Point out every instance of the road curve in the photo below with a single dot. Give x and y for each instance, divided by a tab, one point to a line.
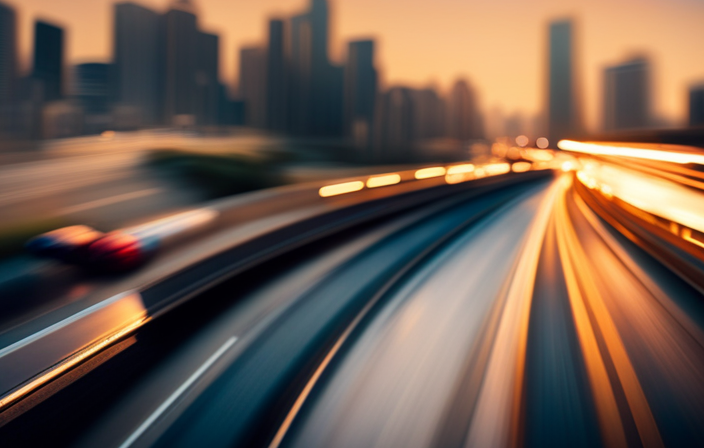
516	315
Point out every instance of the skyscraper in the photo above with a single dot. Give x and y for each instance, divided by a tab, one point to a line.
8	53
299	94
430	112
276	77
180	63
394	133
207	93
253	85
627	95
464	120
563	119
317	85
360	91
91	87
137	84
8	66
48	64
696	105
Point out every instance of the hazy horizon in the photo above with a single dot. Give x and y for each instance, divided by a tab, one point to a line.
499	47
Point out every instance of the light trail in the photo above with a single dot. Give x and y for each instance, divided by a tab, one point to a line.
586	299
427	173
383	181
338	189
627	151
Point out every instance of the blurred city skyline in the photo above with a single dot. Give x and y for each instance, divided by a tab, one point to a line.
419	45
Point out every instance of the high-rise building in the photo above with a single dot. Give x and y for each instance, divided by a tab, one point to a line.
430	112
299	94
464	120
8	53
91	87
252	86
360	91
276	77
696	105
394	133
207	83
563	110
8	67
137	84
316	106
319	17
91	90
627	95
180	54
48	64
327	80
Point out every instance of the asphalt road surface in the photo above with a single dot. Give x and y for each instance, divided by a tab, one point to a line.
509	316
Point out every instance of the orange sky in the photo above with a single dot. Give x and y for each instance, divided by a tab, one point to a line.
499	45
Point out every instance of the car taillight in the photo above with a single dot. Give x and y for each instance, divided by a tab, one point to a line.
120	251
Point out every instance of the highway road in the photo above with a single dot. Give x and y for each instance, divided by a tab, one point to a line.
540	308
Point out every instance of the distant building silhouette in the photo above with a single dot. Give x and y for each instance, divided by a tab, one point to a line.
276	81
48	67
8	67
563	119
299	97
91	87
627	95
180	63
316	102
430	113
138	82
207	83
696	106
360	91
252	86
394	131
464	120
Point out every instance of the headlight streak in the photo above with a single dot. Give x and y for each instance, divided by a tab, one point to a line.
521	167
657	201
626	151
427	173
338	189
453	174
384	180
583	296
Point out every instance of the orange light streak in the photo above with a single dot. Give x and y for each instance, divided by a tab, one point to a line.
382	181
626	151
338	189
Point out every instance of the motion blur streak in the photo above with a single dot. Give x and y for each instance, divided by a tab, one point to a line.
575	264
521	167
494	169
651	194
337	189
123	315
427	173
395	384
498	407
460	169
626	151
382	181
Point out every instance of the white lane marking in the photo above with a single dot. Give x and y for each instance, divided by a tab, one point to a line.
174	396
109	200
